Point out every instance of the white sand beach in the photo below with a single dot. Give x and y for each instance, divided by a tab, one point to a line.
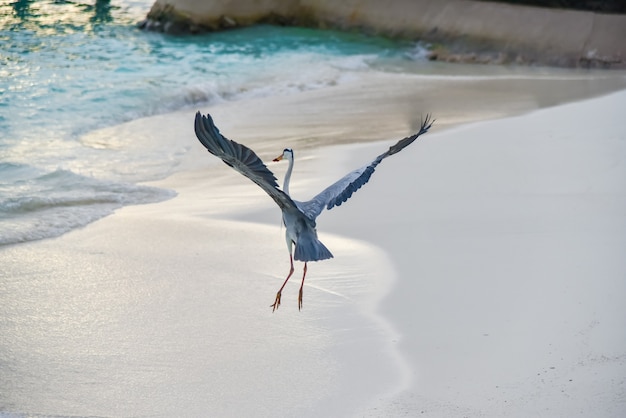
479	273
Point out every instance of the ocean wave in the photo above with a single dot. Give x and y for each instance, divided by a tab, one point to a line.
286	73
419	52
50	204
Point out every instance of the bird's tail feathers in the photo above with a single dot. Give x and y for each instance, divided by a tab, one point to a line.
309	248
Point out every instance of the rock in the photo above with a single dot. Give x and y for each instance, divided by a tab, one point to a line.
472	31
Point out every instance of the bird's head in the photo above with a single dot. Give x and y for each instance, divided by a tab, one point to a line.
287	154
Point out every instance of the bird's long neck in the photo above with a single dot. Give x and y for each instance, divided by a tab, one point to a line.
288	176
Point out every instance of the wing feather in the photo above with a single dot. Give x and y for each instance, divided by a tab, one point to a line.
344	188
242	159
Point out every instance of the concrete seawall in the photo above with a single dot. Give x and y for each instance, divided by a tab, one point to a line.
463	30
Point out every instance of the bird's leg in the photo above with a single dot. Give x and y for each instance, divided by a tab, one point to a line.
301	285
276	303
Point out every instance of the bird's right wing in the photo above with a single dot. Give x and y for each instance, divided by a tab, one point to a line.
242	159
342	190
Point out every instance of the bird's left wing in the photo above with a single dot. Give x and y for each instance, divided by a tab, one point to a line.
242	159
342	190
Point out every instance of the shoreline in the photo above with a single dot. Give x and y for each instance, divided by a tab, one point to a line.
192	281
405	398
462	30
407	393
519	298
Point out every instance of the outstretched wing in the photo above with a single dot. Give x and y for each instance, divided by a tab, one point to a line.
341	190
242	159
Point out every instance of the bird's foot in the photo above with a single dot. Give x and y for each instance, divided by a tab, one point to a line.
276	303
300	300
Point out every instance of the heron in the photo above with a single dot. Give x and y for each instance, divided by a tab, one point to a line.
298	217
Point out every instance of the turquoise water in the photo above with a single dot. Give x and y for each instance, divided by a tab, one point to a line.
68	68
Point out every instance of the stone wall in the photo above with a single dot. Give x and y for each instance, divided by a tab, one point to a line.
462	30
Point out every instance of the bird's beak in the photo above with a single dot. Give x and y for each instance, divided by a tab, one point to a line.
280	157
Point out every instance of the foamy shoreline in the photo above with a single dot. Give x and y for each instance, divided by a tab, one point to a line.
167	308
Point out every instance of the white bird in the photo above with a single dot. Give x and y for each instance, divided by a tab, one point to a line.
298	217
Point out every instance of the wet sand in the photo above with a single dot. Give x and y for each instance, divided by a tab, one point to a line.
478	273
